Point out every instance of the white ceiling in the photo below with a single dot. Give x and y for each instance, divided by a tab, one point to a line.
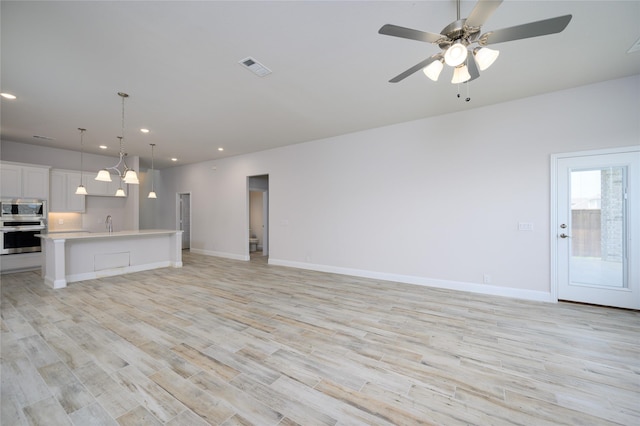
178	61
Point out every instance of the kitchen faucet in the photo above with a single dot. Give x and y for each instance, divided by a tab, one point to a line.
108	223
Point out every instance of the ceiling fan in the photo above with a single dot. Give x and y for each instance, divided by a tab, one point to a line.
456	40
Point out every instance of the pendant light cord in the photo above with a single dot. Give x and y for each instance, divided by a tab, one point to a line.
81	151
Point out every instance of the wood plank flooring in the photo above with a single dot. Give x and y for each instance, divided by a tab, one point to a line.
225	342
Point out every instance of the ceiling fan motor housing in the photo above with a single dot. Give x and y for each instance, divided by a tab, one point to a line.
457	30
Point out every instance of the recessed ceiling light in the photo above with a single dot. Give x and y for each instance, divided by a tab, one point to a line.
144	130
174	159
103	147
8	96
221	149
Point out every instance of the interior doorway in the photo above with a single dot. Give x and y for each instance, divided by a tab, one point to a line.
258	216
184	218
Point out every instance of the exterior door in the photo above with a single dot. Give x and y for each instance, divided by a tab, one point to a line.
596	228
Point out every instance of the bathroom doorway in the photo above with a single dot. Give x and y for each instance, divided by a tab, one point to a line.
183	217
258	202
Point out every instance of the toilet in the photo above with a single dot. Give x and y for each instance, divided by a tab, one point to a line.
253	244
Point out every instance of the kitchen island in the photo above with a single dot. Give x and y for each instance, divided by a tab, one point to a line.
79	256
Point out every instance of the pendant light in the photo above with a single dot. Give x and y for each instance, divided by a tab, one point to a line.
152	194
127	175
81	190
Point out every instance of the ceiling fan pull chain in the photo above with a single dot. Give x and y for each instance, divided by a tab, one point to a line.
468	98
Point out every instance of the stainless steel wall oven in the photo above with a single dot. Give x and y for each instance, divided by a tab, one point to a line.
20	221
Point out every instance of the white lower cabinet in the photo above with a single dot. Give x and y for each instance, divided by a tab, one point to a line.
63	196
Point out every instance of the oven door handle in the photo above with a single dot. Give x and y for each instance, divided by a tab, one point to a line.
22	228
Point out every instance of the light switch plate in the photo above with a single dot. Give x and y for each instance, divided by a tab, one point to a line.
525	226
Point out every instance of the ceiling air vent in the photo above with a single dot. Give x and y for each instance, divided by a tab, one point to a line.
255	67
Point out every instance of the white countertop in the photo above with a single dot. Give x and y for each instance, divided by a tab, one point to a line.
96	235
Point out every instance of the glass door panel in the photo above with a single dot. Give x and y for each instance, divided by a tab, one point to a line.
598	221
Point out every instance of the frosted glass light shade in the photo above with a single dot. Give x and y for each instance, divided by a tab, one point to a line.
130	176
456	54
81	190
152	194
103	176
433	70
485	57
120	193
460	74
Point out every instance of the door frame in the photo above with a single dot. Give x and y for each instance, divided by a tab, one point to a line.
178	194
553	237
265	214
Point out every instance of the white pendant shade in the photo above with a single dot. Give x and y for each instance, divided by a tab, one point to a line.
460	74
152	194
120	193
485	57
81	190
456	54
433	70
131	177
103	176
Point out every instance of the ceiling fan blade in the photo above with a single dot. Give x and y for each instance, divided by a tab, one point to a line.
396	31
481	12
415	68
532	29
472	67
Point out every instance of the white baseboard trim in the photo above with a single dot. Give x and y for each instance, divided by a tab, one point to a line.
492	290
55	284
220	254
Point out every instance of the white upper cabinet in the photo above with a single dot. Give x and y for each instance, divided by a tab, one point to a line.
63	192
24	181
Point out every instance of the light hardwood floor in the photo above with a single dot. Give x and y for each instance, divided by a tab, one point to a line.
237	343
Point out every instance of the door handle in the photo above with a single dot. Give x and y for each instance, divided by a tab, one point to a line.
563	235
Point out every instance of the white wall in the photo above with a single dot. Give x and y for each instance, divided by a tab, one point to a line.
434	201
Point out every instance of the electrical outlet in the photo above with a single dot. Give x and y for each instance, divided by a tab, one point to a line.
486	278
60	221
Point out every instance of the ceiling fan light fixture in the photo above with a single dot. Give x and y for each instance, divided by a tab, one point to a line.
433	70
460	74
120	193
456	54
81	190
485	57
